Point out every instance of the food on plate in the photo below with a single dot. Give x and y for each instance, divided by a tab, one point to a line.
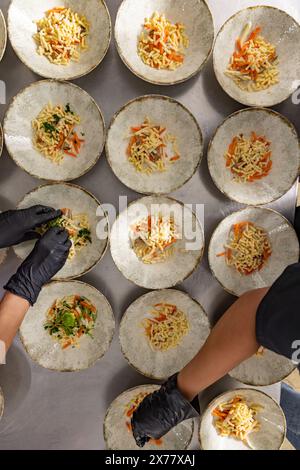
165	327
69	319
153	238
61	35
162	44
78	227
236	418
254	64
151	148
249	159
260	352
248	248
130	409
54	132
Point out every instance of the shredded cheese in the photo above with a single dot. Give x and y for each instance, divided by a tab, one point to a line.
153	238
148	148
166	327
248	248
61	35
236	418
254	64
162	44
249	159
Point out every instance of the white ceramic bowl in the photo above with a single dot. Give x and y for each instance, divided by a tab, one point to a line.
188	250
118	437
80	201
285	155
135	345
271	418
3	35
196	17
279	28
18	131
178	121
1	403
47	352
284	243
21	28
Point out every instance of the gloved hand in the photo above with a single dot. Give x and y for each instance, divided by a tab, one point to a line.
19	225
159	412
46	259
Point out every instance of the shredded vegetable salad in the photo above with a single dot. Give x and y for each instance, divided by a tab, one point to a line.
148	148
254	64
131	407
236	418
249	159
69	319
54	134
166	327
153	238
61	35
162	44
77	226
248	248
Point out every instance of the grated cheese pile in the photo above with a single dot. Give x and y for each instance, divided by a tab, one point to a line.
236	418
254	64
249	159
247	249
166	327
54	133
153	238
61	35
162	44
148	148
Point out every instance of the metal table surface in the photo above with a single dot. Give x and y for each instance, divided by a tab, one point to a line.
50	410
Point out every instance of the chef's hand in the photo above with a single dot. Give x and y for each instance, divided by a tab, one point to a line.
19	225
46	259
159	412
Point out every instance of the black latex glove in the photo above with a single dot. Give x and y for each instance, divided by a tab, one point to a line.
19	225
46	259
159	412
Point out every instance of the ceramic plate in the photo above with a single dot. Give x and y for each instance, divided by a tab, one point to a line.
271	418
80	201
136	347
278	28
284	243
178	121
118	437
3	35
187	251
47	352
285	155
21	28
196	17
1	403
26	107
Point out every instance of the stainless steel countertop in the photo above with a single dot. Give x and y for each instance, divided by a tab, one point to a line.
50	410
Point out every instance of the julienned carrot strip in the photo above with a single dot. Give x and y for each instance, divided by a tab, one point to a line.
136	129
173	159
71	154
254	33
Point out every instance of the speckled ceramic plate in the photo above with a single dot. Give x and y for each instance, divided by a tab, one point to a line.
136	347
46	351
285	155
178	121
278	28
18	131
271	418
196	17
80	201
118	437
1	403
21	28
262	370
1	139
3	35
187	251
284	242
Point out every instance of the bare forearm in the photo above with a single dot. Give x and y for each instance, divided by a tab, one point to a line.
12	312
231	341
